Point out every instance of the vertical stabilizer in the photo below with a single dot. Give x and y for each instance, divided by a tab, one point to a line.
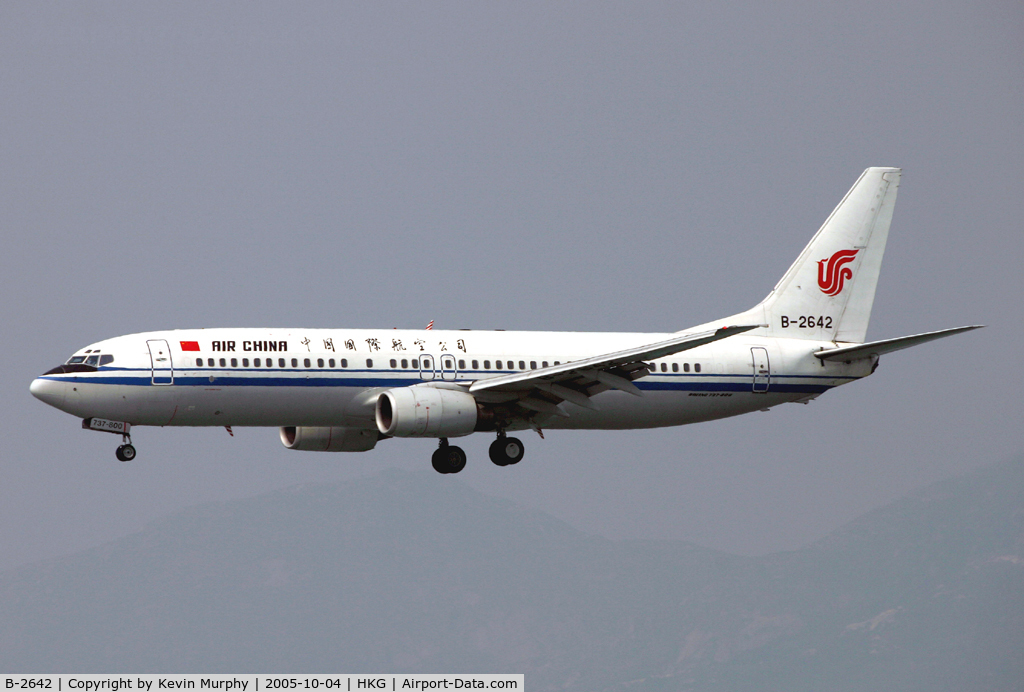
828	292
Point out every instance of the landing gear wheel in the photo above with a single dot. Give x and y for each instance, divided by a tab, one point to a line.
448	459
506	451
125	453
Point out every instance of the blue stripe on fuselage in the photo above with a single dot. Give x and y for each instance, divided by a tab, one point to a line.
685	383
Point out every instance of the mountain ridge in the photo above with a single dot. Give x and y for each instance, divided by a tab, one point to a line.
409	572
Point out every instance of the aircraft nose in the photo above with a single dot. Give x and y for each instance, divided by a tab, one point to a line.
48	391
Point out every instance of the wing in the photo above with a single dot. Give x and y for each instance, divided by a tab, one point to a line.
577	381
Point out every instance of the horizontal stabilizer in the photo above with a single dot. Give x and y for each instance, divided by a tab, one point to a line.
877	348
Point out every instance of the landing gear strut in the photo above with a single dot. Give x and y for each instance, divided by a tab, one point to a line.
506	451
448	458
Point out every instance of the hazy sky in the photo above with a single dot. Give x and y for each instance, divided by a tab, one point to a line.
634	167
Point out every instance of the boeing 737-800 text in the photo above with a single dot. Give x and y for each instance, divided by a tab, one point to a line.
345	390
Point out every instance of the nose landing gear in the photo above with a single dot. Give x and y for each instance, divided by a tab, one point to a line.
125	452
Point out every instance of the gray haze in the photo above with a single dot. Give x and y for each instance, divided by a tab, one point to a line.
518	166
415	572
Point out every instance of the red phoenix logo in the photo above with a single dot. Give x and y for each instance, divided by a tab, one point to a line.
833	272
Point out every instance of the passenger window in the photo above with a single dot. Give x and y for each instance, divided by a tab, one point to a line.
522	365
487	365
245	362
675	367
256	362
106	359
533	365
199	362
415	364
92	360
664	367
544	364
696	367
319	362
686	367
462	365
330	362
270	362
558	362
394	363
280	362
295	362
369	362
405	363
223	363
234	362
476	365
305	362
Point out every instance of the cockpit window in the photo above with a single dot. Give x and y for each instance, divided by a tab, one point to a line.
76	359
92	360
106	359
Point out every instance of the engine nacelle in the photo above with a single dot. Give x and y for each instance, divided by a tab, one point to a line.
333	439
420	411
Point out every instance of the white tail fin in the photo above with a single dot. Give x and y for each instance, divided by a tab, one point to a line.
828	292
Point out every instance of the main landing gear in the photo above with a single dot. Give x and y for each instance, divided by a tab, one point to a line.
504	451
448	458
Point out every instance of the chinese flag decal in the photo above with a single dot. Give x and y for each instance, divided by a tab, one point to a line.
189	345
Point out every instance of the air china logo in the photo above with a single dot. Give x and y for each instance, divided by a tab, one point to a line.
833	272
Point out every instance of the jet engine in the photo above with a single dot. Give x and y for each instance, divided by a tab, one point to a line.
333	439
421	411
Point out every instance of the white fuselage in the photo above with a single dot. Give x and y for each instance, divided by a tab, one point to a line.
330	377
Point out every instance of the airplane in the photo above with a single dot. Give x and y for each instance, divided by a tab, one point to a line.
345	390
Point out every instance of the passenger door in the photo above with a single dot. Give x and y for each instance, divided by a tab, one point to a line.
160	361
762	369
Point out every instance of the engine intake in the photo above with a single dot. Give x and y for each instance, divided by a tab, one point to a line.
333	439
421	411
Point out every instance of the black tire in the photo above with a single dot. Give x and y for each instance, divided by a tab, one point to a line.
127	452
119	455
457	459
506	451
439	460
448	459
497	452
